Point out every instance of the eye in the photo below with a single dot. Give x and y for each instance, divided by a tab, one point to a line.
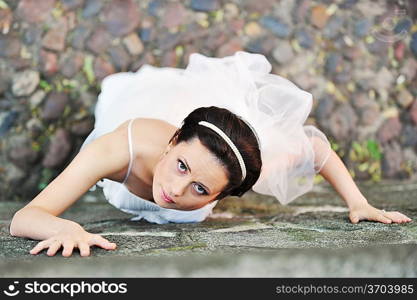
181	166
200	191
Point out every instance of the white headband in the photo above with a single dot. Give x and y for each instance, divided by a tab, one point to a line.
230	143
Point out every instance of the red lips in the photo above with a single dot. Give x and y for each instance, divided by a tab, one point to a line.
166	198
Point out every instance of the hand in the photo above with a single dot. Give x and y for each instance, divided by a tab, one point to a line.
366	211
72	238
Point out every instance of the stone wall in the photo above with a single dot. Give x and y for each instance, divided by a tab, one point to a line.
357	58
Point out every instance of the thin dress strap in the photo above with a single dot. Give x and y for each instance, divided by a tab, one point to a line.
129	133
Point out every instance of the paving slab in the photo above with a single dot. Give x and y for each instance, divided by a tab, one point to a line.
250	237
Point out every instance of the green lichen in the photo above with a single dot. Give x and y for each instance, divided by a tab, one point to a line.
58	86
367	156
67	111
36	146
57	13
216	15
45	85
336	147
179	51
69	84
408	167
301	235
3	5
189	247
88	69
46	177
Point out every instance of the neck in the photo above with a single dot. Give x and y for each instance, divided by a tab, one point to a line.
150	157
153	147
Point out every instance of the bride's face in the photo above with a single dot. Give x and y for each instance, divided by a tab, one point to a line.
190	175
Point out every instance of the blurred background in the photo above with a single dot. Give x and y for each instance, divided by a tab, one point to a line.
357	57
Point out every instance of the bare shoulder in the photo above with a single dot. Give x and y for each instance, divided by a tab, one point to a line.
147	124
149	137
147	131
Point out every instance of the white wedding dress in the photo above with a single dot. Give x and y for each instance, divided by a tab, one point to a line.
242	83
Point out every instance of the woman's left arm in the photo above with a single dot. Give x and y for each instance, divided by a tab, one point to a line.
335	172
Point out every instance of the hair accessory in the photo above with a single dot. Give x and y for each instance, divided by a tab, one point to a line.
229	142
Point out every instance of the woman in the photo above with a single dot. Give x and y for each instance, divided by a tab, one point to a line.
169	143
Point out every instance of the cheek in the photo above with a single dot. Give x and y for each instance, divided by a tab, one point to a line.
158	178
163	172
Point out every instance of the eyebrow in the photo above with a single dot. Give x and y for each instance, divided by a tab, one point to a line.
188	166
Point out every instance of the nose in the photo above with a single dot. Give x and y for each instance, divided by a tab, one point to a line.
178	187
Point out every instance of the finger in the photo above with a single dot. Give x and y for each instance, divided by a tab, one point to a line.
380	217
68	248
39	247
397	217
53	248
403	217
84	249
103	243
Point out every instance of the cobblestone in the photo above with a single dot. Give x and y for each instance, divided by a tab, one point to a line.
360	68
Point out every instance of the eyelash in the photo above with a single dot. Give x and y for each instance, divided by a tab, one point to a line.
205	192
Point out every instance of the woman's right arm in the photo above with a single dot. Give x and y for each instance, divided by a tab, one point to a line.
39	218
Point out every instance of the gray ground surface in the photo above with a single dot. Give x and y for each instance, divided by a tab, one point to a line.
250	237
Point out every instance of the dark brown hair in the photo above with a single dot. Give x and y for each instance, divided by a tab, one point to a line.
241	135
